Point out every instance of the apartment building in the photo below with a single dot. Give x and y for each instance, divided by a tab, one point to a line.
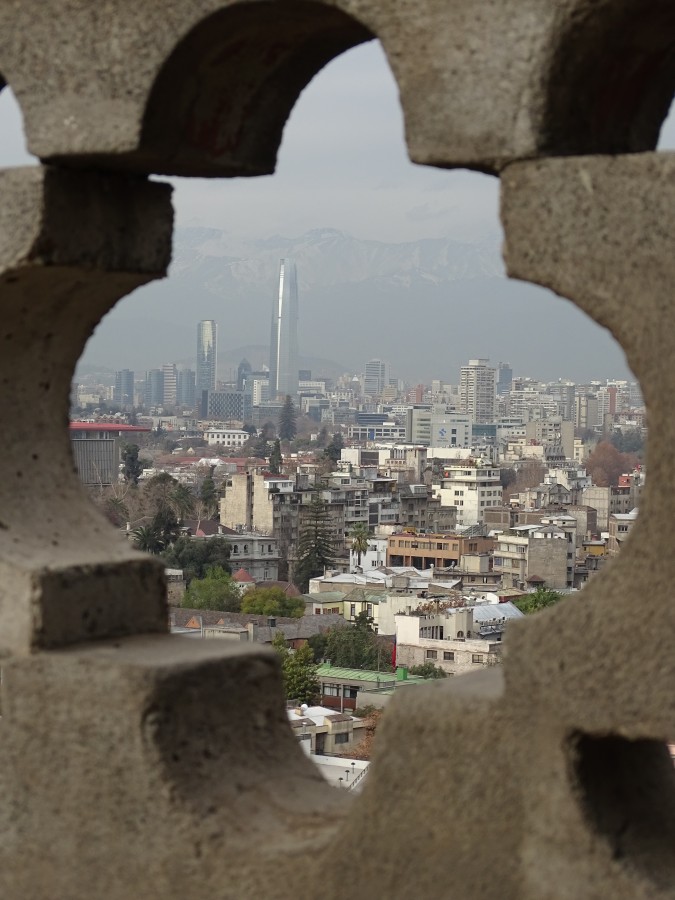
472	486
529	556
422	551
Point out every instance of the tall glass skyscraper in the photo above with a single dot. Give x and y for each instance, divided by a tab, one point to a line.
207	352
284	339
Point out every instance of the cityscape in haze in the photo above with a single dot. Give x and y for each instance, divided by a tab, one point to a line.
336	417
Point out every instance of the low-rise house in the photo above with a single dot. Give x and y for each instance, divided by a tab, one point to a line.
326	731
343	688
456	640
620	526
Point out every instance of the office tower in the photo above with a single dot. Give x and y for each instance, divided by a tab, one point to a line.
207	352
226	406
376	377
185	391
477	395
284	336
154	388
170	375
243	372
504	378
123	393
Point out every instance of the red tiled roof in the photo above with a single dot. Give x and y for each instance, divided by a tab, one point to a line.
242	575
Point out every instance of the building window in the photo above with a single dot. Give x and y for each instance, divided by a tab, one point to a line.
431	654
449	655
331	690
477	658
350	692
342	738
352	610
460	634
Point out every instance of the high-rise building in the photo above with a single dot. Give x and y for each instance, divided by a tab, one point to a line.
123	393
243	373
477	390
170	374
504	378
284	336
207	356
154	388
185	391
376	377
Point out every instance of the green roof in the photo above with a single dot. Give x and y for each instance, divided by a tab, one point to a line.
326	671
325	595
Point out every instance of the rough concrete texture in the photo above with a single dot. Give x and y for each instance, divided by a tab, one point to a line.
176	775
204	87
70	246
152	766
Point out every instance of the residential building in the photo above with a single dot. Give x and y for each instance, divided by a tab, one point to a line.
477	390
529	556
473	486
376	377
422	551
620	526
170	385
457	640
284	334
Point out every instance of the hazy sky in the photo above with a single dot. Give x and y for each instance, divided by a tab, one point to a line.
342	164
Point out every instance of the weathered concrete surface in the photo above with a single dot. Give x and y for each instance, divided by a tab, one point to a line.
204	88
70	246
598	230
155	767
158	767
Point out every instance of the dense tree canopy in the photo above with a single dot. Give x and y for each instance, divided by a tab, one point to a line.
539	599
606	464
288	420
217	591
195	557
428	670
315	546
354	647
299	672
276	458
272	602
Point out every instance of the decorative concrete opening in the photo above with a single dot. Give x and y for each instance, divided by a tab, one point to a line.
627	790
611	80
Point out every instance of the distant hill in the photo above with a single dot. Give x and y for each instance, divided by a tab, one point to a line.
425	306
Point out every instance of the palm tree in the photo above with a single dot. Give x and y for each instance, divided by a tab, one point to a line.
148	538
360	540
182	501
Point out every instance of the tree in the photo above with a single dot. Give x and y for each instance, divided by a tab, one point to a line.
209	496
539	599
287	420
315	545
628	441
354	646
606	464
359	538
182	501
116	510
334	449
217	591
195	557
428	670
299	671
272	602
148	538
276	458
133	467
